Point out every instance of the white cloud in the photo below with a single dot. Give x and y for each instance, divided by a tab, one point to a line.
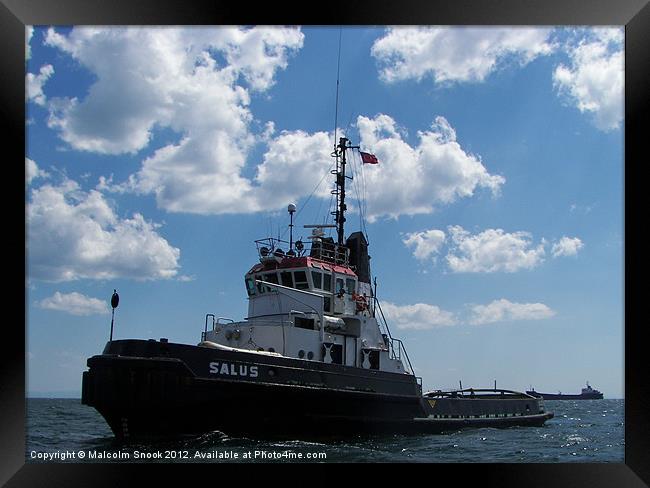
455	54
417	316
258	53
185	278
74	303
194	81
173	78
489	251
594	79
583	209
505	310
425	244
34	84
566	246
492	250
422	316
29	32
167	77
293	165
33	171
413	180
74	235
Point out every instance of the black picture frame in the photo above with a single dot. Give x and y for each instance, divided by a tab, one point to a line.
633	14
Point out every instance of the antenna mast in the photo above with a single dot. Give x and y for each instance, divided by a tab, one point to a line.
336	105
339	150
340	188
340	184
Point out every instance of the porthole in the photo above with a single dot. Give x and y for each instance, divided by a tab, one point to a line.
310	355
301	354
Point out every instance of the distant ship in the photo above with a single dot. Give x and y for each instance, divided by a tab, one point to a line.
587	393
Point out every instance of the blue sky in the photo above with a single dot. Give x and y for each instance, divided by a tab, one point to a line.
156	156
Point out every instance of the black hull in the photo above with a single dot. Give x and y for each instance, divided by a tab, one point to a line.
560	396
154	389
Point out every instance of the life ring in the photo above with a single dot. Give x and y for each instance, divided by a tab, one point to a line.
361	302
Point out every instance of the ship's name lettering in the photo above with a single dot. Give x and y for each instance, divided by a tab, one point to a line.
233	369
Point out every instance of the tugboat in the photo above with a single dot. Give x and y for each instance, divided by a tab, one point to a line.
314	357
587	393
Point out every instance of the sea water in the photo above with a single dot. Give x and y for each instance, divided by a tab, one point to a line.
64	430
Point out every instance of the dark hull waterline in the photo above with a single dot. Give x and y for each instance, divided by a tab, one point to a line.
153	389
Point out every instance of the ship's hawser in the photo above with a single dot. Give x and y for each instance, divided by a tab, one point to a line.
314	356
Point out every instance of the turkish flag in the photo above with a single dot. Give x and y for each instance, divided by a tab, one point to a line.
368	158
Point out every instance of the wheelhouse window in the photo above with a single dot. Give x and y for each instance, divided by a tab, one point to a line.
300	278
327	282
287	278
260	288
340	286
350	285
268	277
271	277
250	286
317	278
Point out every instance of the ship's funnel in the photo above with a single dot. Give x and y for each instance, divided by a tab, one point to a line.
358	246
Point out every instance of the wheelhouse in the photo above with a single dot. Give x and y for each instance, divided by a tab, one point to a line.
304	273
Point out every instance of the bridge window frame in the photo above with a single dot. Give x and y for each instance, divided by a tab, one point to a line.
301	280
317	279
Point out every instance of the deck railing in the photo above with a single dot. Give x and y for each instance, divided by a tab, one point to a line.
477	393
398	351
323	249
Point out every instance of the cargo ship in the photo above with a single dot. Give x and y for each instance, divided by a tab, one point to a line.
587	393
313	357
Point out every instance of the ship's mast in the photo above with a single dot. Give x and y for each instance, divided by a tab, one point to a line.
340	186
339	214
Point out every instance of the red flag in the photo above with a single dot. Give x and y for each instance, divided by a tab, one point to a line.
368	158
